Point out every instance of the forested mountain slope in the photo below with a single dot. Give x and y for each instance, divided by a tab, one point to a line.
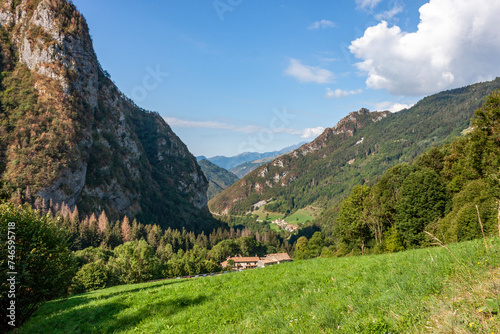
218	178
451	191
67	134
357	150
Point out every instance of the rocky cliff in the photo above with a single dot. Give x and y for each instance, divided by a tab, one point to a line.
68	134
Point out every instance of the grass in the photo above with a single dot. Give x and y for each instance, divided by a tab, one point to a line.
303	215
262	214
420	291
275	227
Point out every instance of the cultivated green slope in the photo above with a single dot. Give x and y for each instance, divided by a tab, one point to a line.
408	292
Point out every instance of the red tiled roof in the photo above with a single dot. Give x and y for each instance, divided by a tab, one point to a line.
268	260
244	259
280	256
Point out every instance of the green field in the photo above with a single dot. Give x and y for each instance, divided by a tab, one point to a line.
303	215
263	214
420	291
299	217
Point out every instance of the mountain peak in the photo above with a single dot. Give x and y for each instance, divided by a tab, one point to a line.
73	137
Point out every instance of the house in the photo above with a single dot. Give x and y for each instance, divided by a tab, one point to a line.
271	259
285	226
241	262
254	261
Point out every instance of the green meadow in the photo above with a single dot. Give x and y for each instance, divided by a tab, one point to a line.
267	215
303	215
433	290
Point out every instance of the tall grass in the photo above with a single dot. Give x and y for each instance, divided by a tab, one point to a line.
410	292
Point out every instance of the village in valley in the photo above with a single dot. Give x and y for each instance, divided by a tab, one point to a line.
281	223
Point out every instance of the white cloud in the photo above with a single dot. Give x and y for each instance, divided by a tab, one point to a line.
391	106
323	24
305	73
312	132
367	4
183	123
328	59
389	14
337	93
457	43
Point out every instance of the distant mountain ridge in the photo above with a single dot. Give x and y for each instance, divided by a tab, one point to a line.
218	178
357	150
243	169
230	162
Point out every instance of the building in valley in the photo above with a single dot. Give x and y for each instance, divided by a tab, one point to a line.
250	262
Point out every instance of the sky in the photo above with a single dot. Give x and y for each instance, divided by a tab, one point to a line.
233	76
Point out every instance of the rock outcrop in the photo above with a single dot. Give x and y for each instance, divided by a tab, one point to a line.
73	137
267	180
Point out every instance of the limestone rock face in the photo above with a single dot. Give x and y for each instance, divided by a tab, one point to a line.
112	155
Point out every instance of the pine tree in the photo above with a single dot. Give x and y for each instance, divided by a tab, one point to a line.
103	222
126	230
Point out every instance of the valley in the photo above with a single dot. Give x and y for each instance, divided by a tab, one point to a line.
384	218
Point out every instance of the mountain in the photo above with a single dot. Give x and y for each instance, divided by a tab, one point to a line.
357	150
230	162
218	178
246	167
68	134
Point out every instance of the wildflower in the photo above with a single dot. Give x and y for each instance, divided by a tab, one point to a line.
471	324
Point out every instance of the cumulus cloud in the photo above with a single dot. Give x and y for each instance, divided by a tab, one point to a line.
367	4
312	132
323	24
338	93
457	43
392	106
305	73
183	123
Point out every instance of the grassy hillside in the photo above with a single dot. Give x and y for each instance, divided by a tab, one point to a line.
419	291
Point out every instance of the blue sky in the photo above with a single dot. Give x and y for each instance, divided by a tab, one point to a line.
238	75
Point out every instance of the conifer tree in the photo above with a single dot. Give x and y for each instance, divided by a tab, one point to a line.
103	222
126	229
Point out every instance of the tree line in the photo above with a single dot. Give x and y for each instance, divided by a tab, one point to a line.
60	253
450	192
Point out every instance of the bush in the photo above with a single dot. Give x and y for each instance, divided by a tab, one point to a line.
92	276
42	260
135	262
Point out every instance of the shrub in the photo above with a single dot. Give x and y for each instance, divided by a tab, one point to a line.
135	262
92	276
42	260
